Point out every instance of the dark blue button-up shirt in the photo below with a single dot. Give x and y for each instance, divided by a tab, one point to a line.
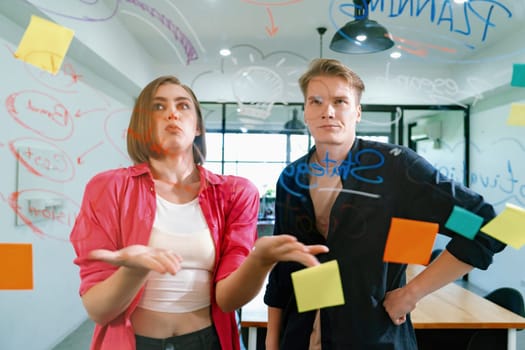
380	181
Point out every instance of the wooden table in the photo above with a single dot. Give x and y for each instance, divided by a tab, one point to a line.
451	307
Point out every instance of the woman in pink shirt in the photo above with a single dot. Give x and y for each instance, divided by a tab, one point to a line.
168	250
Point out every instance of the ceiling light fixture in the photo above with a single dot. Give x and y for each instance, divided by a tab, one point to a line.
294	125
321	31
362	35
225	52
395	55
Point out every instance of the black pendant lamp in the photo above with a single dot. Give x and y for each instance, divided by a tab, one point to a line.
294	125
362	35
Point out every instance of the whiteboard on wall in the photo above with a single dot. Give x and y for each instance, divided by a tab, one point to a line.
57	132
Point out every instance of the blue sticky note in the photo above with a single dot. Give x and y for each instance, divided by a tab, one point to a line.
464	222
518	75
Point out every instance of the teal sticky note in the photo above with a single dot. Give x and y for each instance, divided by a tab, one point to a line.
464	222
518	75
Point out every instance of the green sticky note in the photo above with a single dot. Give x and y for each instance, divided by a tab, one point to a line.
518	75
464	222
318	286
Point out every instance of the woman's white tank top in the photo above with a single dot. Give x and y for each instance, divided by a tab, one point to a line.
183	229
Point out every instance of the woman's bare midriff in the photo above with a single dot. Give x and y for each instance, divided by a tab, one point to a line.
154	324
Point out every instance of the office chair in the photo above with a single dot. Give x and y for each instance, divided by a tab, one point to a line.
509	298
495	339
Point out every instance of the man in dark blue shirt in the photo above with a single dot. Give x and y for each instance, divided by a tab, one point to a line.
343	194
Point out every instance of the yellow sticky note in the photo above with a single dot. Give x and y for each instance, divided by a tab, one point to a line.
318	286
44	44
517	114
508	226
16	266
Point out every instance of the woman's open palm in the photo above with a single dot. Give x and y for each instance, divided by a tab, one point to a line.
271	249
140	257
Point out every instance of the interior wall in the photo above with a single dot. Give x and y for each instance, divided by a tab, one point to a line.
498	172
76	131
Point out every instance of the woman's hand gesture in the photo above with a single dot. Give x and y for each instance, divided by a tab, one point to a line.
140	257
271	249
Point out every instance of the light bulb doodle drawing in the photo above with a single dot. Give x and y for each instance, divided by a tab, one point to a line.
257	83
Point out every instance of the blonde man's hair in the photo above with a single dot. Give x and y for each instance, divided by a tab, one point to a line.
332	67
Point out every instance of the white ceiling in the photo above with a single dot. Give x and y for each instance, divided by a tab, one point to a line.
273	40
290	26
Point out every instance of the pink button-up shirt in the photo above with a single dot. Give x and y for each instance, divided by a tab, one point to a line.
118	210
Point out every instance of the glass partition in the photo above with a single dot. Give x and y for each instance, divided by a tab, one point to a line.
442	138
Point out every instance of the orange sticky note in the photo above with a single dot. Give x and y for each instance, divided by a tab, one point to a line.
410	241
16	266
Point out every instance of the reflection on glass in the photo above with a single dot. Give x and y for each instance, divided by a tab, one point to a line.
440	138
